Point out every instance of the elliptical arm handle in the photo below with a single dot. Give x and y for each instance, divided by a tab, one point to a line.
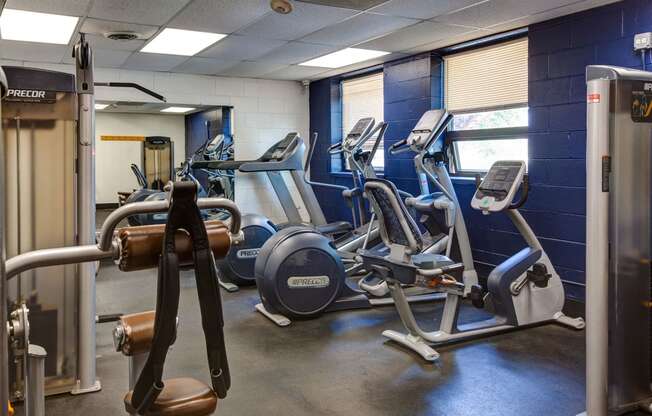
382	129
524	194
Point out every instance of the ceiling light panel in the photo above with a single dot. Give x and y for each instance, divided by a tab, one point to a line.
179	110
344	57
99	106
37	27
181	42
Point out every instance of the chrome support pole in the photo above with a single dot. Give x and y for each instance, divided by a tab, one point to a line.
87	381
4	340
597	251
36	376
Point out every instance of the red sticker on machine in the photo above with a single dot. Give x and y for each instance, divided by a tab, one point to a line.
593	98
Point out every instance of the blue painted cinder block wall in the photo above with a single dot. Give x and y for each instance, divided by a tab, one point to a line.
559	49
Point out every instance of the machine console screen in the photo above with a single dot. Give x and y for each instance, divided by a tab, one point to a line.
422	131
499	186
360	129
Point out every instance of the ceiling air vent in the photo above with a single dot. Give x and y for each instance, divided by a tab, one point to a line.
122	36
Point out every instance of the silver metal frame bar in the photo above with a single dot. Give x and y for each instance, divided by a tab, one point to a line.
597	251
4	345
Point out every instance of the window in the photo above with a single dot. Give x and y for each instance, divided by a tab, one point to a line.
486	89
363	97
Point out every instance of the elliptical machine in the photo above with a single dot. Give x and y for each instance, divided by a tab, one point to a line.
522	291
438	211
287	155
301	274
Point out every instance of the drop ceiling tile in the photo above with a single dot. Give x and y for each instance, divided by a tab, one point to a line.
296	53
306	18
442	43
422	9
549	14
147	12
347	4
66	7
357	29
30	51
220	16
362	65
105	58
413	36
241	48
295	73
204	66
153	62
495	12
252	69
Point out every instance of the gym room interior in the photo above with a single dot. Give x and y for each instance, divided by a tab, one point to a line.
326	207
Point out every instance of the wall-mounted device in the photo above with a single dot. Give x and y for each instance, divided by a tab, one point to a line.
643	44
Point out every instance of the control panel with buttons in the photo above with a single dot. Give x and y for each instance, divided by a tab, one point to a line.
498	188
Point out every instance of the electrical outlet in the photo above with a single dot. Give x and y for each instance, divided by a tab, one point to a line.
643	41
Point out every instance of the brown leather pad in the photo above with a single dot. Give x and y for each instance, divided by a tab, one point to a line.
180	397
140	247
138	331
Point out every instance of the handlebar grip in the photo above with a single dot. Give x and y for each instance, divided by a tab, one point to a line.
524	194
335	148
395	148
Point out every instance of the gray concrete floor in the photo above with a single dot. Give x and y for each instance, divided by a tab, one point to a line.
340	365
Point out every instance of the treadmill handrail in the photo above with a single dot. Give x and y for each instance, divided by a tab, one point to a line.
270	166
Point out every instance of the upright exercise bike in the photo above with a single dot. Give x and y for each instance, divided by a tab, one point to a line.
522	291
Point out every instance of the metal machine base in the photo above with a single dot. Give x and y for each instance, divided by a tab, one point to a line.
229	287
424	347
279	320
284	321
97	386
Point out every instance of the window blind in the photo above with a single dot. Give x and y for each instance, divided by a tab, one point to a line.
490	77
363	97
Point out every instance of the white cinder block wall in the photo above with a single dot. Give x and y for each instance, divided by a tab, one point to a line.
264	111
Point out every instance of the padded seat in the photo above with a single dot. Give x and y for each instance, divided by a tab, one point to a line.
431	261
180	397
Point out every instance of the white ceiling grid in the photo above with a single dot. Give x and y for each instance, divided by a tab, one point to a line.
264	44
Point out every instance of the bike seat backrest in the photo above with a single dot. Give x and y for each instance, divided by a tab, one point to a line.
397	227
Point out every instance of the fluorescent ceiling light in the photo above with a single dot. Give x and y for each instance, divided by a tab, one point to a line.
344	57
100	106
37	27
177	109
181	42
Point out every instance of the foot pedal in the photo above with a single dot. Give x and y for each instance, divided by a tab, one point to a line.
539	275
477	296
